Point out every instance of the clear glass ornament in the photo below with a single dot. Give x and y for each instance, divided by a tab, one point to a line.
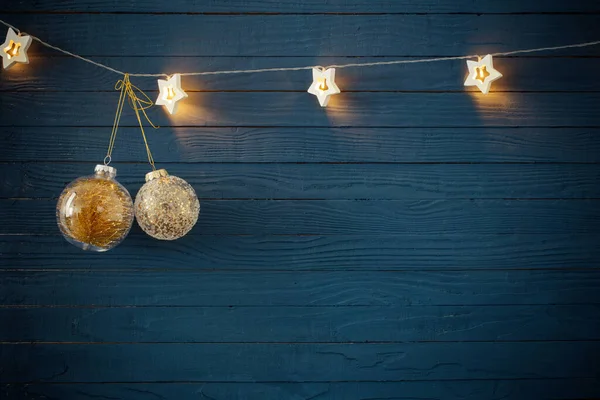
166	207
95	212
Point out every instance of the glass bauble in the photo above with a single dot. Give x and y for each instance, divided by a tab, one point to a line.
95	212
166	207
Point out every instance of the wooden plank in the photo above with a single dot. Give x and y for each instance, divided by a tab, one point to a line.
296	253
300	324
302	109
331	181
194	144
152	298
305	35
117	287
339	217
65	74
297	6
495	389
297	362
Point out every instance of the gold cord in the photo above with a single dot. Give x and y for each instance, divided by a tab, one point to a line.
138	101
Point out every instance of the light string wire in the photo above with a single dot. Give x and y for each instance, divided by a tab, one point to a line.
308	67
139	102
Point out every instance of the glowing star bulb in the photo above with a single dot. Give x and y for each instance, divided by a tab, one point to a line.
14	49
482	74
170	92
323	85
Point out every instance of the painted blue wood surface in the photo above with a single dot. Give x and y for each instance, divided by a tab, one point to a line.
494	389
414	240
313	253
280	324
273	362
358	109
314	145
299	6
114	34
131	287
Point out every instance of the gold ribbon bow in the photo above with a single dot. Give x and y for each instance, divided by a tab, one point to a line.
139	102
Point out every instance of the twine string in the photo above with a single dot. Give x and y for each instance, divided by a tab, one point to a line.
115	128
139	102
307	67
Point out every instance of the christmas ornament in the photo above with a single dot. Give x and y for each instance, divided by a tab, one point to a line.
95	212
14	49
482	73
170	92
166	207
323	85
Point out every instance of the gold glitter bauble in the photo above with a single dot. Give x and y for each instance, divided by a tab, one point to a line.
95	212
166	207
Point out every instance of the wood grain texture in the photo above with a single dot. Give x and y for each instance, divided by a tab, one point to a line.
301	324
299	253
496	389
306	35
334	182
381	145
355	217
414	240
343	288
298	6
302	110
548	73
296	362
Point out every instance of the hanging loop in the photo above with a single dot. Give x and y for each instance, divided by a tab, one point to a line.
139	102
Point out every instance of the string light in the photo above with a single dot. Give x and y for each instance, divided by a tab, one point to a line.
323	85
14	49
170	93
482	73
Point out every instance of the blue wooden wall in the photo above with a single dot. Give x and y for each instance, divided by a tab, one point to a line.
414	240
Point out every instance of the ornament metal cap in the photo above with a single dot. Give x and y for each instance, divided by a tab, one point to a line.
110	172
159	173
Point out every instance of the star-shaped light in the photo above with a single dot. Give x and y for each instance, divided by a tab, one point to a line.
482	73
323	85
170	92
14	49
